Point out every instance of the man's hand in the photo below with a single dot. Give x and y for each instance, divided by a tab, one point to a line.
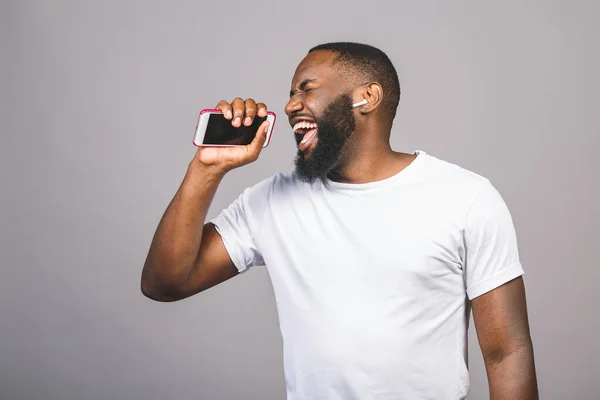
502	326
187	255
240	113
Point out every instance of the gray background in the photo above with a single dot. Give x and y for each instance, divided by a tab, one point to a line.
99	101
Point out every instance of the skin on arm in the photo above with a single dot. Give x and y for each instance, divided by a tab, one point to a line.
187	255
502	326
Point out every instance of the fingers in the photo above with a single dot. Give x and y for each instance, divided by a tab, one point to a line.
242	112
238	107
225	108
250	111
262	110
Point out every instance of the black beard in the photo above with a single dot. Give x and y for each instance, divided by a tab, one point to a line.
336	125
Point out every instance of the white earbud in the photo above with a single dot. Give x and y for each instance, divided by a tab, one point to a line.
360	103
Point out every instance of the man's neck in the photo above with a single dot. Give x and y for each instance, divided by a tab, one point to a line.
370	164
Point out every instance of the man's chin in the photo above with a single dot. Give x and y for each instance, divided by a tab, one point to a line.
304	172
306	154
307	174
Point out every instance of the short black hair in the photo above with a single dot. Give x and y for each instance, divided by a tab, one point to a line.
372	64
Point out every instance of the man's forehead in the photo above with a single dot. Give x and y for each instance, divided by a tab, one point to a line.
316	65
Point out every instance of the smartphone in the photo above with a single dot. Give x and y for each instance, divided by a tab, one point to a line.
214	130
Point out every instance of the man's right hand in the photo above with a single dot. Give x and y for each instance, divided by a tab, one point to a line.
239	112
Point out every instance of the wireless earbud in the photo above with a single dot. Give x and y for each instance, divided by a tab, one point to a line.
360	103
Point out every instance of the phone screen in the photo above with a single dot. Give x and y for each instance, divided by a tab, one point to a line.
220	131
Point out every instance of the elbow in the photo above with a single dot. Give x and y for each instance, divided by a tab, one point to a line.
166	282
153	290
150	292
160	295
499	355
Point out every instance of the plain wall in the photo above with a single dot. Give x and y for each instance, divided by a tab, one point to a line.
99	100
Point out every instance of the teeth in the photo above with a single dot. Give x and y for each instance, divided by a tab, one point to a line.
304	125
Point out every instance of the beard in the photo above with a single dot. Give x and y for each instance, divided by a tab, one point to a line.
335	125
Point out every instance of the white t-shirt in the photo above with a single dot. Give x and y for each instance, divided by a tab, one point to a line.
372	281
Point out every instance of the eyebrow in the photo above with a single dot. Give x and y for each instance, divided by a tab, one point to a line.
302	85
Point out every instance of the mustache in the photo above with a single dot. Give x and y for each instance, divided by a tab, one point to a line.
308	116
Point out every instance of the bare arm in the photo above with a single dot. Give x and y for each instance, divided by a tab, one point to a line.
175	252
502	326
186	255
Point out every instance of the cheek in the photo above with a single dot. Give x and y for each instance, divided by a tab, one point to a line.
316	104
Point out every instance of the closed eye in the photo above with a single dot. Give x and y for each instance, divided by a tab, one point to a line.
304	90
302	87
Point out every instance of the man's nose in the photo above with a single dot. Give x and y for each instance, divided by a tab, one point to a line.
294	105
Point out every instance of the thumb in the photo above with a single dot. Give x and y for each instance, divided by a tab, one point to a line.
259	140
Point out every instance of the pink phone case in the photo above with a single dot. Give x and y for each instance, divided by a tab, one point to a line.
215	111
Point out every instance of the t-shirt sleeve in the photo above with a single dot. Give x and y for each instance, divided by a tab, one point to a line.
239	226
492	256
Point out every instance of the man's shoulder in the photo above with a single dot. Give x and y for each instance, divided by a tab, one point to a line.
454	174
451	185
276	183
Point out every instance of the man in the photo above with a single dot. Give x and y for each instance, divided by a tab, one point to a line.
376	257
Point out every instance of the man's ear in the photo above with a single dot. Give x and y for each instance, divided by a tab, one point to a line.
373	94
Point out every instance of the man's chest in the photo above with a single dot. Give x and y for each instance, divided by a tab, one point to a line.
364	242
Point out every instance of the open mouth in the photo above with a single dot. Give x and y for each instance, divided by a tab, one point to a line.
308	130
